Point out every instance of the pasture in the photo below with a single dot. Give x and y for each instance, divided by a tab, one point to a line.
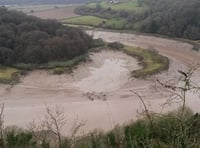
128	6
86	20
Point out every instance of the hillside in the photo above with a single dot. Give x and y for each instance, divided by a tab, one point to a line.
174	18
28	39
178	18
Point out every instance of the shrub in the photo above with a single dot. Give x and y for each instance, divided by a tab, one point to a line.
16	139
115	45
98	43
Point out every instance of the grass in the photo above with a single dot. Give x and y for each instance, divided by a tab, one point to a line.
129	6
58	67
52	64
86	20
8	74
151	61
68	63
114	23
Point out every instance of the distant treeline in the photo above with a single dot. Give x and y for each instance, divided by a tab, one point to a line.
27	39
179	18
175	18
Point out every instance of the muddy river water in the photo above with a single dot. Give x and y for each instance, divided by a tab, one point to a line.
99	92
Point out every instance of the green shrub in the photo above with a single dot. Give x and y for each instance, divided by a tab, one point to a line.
115	45
196	47
16	139
98	43
111	140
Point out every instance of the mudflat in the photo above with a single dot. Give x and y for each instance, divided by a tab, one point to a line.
100	92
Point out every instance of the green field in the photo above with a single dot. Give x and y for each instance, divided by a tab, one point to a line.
98	20
85	20
7	74
113	20
129	6
151	61
115	23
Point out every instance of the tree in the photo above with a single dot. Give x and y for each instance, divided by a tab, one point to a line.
28	39
6	56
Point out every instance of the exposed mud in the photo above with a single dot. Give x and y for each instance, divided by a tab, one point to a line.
58	13
100	92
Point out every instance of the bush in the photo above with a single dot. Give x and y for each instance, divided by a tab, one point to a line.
115	45
98	43
196	47
19	139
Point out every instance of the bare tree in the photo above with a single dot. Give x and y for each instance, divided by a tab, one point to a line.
74	130
2	125
178	92
39	132
54	122
149	116
186	85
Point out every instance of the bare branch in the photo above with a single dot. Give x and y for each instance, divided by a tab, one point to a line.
2	125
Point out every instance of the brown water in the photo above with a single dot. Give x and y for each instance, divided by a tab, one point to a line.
99	92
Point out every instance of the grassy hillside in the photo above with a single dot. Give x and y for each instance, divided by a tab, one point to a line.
129	6
174	18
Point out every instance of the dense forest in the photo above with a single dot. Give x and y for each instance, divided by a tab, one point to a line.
179	18
27	39
175	18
